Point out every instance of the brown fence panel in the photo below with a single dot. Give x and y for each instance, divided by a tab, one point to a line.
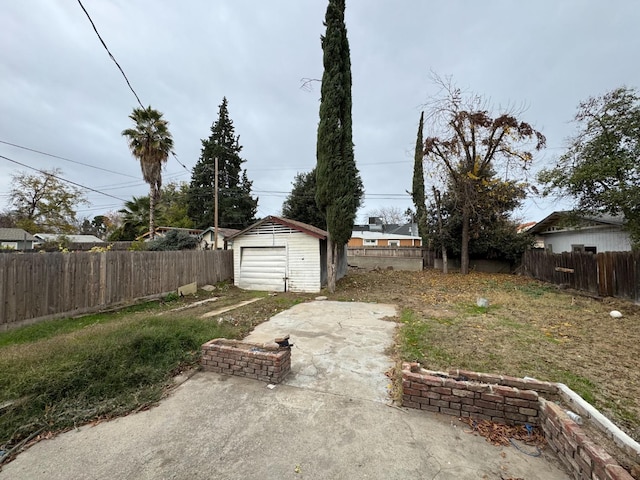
47	285
411	252
613	274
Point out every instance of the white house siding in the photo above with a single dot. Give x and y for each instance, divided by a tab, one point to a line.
302	250
606	239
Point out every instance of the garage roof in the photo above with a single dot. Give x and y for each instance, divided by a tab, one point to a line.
287	222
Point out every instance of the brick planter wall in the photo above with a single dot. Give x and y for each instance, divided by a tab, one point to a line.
578	453
511	400
269	364
507	400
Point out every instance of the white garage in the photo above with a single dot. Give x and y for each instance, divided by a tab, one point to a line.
277	254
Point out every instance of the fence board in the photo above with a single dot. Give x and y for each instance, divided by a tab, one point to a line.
613	274
40	286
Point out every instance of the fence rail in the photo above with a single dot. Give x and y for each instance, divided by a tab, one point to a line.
613	274
40	286
410	252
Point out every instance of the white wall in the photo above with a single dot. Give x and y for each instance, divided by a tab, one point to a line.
303	257
606	239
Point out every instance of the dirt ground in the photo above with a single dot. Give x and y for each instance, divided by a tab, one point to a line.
529	329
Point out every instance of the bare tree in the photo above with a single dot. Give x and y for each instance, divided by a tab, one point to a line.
388	215
470	144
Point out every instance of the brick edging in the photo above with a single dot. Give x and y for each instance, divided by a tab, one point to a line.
250	360
510	400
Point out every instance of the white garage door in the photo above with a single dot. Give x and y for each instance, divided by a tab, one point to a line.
263	268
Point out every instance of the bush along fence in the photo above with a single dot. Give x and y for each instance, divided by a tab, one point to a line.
609	274
521	401
52	285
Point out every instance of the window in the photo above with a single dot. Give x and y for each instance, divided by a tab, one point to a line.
394	243
591	249
577	248
367	242
548	248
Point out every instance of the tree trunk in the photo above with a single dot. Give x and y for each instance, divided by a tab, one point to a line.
331	265
152	216
445	261
464	247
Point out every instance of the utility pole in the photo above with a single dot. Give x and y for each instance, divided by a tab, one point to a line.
215	209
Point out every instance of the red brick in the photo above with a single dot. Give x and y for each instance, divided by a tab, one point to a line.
520	402
490	405
528	411
516	416
490	397
463	393
450	411
429	394
616	472
441	390
451	383
431	380
513	382
471	408
421	400
528	395
410	404
438	403
430	408
599	456
411	391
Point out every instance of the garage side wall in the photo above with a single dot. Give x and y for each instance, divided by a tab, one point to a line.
303	258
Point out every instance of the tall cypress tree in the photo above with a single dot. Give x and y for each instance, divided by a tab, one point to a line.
417	192
236	206
339	187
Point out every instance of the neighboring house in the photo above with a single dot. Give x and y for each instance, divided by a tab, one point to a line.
379	239
16	238
278	254
54	237
162	231
207	238
588	234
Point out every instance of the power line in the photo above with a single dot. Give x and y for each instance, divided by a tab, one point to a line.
65	159
110	54
121	70
62	179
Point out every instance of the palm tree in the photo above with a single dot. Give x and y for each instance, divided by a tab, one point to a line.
151	143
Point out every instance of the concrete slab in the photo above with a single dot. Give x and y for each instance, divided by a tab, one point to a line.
312	427
339	347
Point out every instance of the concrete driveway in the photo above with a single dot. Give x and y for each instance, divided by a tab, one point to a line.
328	420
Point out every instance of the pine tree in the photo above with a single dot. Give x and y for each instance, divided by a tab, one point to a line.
236	206
417	193
301	202
339	187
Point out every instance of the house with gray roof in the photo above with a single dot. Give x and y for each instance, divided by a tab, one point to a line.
16	239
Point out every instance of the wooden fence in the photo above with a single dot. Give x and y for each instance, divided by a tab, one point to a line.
40	286
613	274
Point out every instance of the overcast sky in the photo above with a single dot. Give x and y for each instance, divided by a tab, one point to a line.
60	92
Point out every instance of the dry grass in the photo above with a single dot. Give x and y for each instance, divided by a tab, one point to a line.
529	329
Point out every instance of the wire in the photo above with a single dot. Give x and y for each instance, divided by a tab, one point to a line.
121	71
65	159
110	54
62	179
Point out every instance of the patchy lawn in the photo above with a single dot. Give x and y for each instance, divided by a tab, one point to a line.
528	329
59	374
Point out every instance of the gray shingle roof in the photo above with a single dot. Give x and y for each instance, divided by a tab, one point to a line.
15	235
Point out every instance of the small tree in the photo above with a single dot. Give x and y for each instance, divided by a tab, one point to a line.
237	208
301	202
150	143
600	170
470	145
44	203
